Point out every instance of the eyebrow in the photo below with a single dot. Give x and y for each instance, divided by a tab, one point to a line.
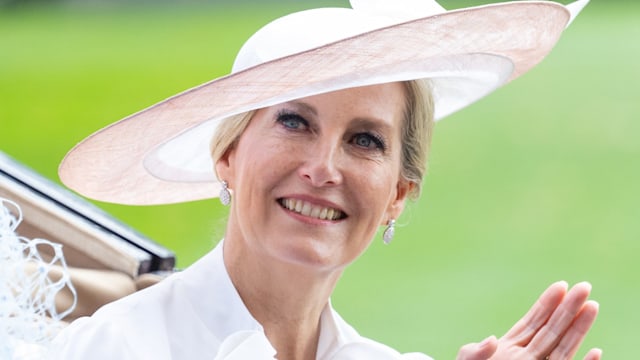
372	124
366	122
306	107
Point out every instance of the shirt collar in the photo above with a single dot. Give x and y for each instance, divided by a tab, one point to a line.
334	333
213	295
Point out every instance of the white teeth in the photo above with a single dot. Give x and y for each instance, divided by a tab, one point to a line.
315	212
310	210
306	209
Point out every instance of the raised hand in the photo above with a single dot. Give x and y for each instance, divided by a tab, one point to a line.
552	329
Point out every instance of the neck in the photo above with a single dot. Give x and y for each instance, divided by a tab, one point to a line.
287	299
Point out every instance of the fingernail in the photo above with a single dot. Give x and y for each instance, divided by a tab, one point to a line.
585	284
596	351
486	341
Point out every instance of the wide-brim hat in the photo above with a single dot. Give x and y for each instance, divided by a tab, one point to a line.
161	154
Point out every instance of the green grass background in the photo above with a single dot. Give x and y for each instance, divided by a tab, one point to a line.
538	182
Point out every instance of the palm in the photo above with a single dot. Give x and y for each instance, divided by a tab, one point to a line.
553	329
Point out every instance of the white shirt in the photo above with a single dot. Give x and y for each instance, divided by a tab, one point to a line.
198	314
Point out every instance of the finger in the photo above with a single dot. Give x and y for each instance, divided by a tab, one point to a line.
593	354
576	333
524	330
479	351
551	333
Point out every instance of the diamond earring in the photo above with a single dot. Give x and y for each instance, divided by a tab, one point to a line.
225	195
388	233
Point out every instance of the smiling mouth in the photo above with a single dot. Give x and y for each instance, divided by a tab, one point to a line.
310	210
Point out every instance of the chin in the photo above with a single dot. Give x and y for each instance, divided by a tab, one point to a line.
314	254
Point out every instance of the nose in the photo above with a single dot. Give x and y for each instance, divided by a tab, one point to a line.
321	166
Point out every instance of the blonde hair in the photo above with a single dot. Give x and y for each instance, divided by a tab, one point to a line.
228	133
417	127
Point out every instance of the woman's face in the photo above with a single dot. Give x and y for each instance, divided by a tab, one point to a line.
314	178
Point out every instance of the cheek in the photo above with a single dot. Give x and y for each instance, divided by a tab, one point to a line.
374	188
264	161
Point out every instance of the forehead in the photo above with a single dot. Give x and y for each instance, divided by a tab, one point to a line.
385	102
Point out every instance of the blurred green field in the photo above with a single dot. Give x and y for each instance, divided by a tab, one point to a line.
537	183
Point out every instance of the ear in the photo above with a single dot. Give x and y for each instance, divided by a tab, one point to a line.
224	167
403	189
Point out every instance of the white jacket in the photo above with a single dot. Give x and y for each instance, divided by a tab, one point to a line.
198	314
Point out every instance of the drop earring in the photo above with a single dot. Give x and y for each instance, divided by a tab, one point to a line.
388	233
225	195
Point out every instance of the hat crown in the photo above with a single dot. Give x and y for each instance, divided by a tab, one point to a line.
310	29
399	9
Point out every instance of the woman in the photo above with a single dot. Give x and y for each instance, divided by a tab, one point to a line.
318	137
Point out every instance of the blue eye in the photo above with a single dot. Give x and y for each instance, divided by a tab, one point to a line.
292	121
368	141
362	140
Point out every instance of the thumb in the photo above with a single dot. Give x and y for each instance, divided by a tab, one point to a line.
479	351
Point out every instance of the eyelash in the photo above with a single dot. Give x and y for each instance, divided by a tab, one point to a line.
284	115
377	140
